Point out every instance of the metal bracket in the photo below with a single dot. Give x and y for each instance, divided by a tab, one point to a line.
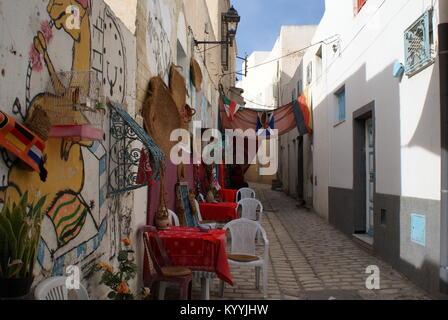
128	170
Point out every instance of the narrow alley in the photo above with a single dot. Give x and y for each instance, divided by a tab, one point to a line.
311	260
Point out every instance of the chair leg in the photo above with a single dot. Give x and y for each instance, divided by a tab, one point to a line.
185	291
190	290
205	284
221	288
265	280
257	277
162	290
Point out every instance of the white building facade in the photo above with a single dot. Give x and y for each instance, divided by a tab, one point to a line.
271	82
374	78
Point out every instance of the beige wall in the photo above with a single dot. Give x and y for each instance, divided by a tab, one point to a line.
126	10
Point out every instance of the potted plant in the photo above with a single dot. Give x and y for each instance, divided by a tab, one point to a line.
20	226
118	281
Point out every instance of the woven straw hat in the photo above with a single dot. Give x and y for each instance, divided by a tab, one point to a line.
161	115
196	74
178	88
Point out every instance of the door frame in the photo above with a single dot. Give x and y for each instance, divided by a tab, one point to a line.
360	166
300	172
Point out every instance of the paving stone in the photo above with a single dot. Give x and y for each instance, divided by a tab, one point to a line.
311	260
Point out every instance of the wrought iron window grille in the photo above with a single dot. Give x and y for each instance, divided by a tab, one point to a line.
418	44
134	157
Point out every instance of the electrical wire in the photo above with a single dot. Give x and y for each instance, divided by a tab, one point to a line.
289	54
314	82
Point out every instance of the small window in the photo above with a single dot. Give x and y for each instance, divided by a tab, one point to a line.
309	73
419	44
340	105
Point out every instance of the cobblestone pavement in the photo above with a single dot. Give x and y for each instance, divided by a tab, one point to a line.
311	260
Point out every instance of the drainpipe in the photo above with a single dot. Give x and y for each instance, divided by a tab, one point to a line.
443	65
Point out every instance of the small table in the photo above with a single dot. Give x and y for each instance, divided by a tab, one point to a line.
221	211
228	195
198	251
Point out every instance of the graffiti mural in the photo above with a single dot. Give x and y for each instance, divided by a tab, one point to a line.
158	35
78	216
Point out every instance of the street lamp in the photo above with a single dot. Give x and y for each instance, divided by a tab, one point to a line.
231	19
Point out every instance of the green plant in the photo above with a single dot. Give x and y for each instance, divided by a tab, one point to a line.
20	226
118	281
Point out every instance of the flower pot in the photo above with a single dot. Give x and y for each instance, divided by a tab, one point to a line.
210	197
163	223
15	288
163	219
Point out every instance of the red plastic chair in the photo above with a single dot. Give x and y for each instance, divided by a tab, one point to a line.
166	272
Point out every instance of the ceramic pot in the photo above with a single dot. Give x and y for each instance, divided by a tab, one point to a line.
187	113
162	220
210	196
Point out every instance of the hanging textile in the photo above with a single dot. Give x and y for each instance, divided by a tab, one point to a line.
222	175
265	124
245	119
303	113
230	107
144	174
215	178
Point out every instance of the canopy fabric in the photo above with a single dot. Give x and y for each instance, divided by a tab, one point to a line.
245	119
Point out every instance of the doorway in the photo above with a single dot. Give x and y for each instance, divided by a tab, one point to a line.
370	175
300	175
364	172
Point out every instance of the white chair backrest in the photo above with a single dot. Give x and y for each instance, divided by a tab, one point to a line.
251	209
55	288
245	193
174	218
243	234
198	210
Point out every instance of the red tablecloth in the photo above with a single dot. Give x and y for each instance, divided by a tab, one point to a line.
198	251
222	211
228	195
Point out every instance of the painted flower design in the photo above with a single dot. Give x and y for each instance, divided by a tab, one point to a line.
123	288
47	31
105	266
35	59
126	241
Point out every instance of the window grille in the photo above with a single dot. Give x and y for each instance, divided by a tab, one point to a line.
418	41
134	157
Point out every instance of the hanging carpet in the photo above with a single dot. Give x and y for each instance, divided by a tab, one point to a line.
296	114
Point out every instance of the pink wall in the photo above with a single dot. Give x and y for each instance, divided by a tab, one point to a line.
170	188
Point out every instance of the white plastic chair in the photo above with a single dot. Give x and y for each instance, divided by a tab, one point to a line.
212	225
55	288
245	193
174	218
243	233
251	209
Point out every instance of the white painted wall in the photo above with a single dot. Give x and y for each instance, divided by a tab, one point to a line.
407	132
269	84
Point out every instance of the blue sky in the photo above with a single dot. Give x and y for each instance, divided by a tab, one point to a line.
261	21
